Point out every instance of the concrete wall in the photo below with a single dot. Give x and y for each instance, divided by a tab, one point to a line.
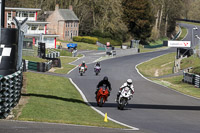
123	52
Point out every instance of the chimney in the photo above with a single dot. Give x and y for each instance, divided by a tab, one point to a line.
70	7
57	7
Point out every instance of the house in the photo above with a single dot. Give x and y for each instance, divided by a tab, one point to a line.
33	29
20	14
63	22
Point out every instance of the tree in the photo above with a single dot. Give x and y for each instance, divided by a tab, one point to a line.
139	18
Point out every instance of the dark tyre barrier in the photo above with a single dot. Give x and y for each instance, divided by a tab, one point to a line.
8	51
56	62
10	92
38	66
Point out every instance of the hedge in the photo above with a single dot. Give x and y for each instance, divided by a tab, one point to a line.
112	42
86	39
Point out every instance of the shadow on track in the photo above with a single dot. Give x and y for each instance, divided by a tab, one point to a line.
152	106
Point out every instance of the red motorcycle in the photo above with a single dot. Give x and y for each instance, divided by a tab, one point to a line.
102	96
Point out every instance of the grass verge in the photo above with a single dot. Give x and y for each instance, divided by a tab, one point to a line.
158	66
66	67
33	58
82	45
163	66
183	34
177	84
55	99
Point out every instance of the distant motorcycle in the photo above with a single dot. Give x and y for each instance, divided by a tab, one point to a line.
97	70
102	96
124	97
82	70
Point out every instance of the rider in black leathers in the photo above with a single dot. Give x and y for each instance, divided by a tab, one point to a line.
104	82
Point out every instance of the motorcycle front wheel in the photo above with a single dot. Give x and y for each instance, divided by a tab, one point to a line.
101	102
123	103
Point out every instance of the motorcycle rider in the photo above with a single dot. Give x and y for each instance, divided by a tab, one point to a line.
83	65
97	65
128	83
106	83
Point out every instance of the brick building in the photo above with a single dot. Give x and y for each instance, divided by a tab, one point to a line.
64	23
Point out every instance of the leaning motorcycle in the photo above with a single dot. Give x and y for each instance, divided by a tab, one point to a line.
124	97
82	70
102	96
97	70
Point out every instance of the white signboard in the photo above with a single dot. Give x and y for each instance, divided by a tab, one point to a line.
179	44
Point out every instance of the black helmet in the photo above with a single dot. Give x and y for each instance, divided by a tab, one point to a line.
105	78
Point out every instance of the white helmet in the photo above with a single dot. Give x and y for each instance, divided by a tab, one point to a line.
129	81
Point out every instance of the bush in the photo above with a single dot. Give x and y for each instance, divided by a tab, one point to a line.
77	38
112	42
86	39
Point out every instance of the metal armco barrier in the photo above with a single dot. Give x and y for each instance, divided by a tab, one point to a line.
38	66
10	92
191	78
197	81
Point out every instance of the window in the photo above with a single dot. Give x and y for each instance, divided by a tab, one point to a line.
71	24
24	14
9	16
33	27
68	33
74	24
68	24
31	14
41	27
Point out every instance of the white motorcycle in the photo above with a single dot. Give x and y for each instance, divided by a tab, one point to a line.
82	70
124	97
97	70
